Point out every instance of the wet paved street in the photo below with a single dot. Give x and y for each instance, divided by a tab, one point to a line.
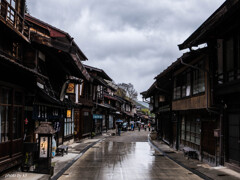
124	157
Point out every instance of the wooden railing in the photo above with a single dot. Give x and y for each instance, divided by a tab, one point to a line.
10	16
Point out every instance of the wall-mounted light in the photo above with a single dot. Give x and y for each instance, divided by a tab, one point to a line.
69	113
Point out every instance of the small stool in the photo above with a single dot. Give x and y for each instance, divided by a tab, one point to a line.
61	149
189	152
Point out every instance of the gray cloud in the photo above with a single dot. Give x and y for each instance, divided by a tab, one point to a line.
132	40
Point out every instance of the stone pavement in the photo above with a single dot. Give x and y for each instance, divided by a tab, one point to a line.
60	163
202	169
77	149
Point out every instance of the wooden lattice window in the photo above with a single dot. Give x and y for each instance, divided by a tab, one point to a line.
11	10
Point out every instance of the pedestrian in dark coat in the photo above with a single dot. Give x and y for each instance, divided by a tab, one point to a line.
119	129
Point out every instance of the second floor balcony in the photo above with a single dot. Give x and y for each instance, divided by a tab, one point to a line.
12	15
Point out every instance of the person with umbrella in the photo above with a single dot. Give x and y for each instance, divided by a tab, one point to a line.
119	126
132	127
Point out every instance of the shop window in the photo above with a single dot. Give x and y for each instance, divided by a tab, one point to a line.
7	107
190	130
193	130
69	123
42	112
183	137
4	123
188	133
198	131
17	119
55	112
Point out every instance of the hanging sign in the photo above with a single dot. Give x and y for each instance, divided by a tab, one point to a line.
97	116
70	88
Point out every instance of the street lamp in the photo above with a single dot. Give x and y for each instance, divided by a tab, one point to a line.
45	133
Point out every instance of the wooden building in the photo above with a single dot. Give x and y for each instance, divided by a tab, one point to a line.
205	90
193	107
103	101
220	32
183	103
54	54
15	80
160	94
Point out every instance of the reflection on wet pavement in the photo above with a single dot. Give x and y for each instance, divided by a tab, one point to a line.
122	161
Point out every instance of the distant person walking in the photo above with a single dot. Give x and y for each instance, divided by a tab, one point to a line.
132	127
119	129
149	126
145	127
139	126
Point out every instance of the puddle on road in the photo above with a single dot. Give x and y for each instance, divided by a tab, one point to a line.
121	160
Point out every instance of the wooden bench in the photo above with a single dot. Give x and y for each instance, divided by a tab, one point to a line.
62	149
190	153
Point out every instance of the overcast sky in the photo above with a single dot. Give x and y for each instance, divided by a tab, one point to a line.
131	40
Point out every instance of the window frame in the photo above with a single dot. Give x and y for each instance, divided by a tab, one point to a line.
185	82
69	125
14	105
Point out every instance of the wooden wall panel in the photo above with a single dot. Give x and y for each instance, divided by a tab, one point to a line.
197	102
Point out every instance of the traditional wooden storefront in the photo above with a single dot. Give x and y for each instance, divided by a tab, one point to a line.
83	122
220	32
11	123
13	82
97	123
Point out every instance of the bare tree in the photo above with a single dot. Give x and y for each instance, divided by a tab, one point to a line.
129	89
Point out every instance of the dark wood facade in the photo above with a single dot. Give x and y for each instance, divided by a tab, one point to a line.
221	34
206	88
13	89
37	65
